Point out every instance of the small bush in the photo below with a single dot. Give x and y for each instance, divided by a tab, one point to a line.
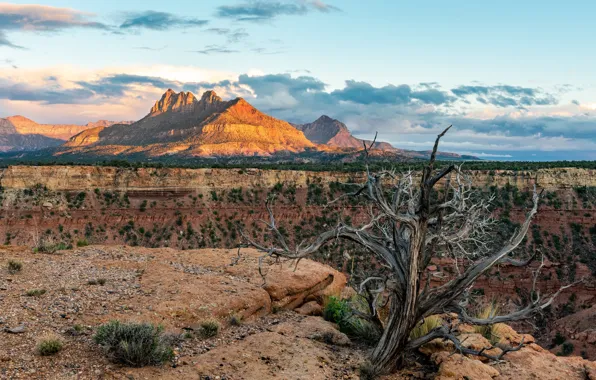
367	371
35	292
82	243
49	345
566	349
14	266
134	344
340	312
99	281
209	328
235	320
425	326
558	339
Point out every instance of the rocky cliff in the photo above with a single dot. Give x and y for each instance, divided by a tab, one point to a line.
75	178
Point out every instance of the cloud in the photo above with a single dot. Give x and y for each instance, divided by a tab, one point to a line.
41	18
232	35
256	11
5	42
505	95
215	49
151	48
158	21
365	93
117	85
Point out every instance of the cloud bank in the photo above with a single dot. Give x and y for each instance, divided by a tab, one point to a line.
408	115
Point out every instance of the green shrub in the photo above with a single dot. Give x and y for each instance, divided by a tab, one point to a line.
340	312
566	349
558	339
14	266
209	328
82	243
49	345
134	344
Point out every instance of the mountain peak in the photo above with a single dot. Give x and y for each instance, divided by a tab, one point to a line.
324	119
210	97
172	101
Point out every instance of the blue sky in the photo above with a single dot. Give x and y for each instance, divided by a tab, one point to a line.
515	78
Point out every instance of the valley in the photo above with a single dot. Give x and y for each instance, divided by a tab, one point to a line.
52	208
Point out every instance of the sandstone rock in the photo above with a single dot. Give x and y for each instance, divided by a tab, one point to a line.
310	308
47	205
313	328
460	367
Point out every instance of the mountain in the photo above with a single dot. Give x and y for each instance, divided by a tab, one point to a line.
178	123
334	133
18	133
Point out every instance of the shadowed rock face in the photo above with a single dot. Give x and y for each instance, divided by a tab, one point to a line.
334	133
180	123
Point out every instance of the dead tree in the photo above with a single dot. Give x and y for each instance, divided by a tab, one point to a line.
413	220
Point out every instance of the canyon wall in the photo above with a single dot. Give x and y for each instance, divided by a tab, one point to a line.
76	178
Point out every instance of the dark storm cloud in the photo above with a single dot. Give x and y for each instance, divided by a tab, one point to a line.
268	10
158	21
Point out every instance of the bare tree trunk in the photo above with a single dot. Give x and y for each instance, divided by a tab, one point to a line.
388	355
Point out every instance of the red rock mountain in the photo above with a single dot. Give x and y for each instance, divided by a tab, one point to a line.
179	123
334	133
17	133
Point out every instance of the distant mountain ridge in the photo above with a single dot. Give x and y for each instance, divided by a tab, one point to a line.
18	133
179	123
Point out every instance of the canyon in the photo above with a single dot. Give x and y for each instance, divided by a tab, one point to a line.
136	214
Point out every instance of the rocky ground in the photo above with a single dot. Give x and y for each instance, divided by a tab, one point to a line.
83	288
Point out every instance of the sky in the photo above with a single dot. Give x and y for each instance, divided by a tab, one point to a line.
515	78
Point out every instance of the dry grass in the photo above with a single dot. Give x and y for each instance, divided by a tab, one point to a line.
425	326
490	332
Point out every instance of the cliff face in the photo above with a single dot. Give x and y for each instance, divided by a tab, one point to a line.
76	178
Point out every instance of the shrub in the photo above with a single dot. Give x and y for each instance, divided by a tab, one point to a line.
340	312
558	339
425	326
35	292
49	345
566	349
82	243
235	320
209	328
134	344
367	371
14	266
